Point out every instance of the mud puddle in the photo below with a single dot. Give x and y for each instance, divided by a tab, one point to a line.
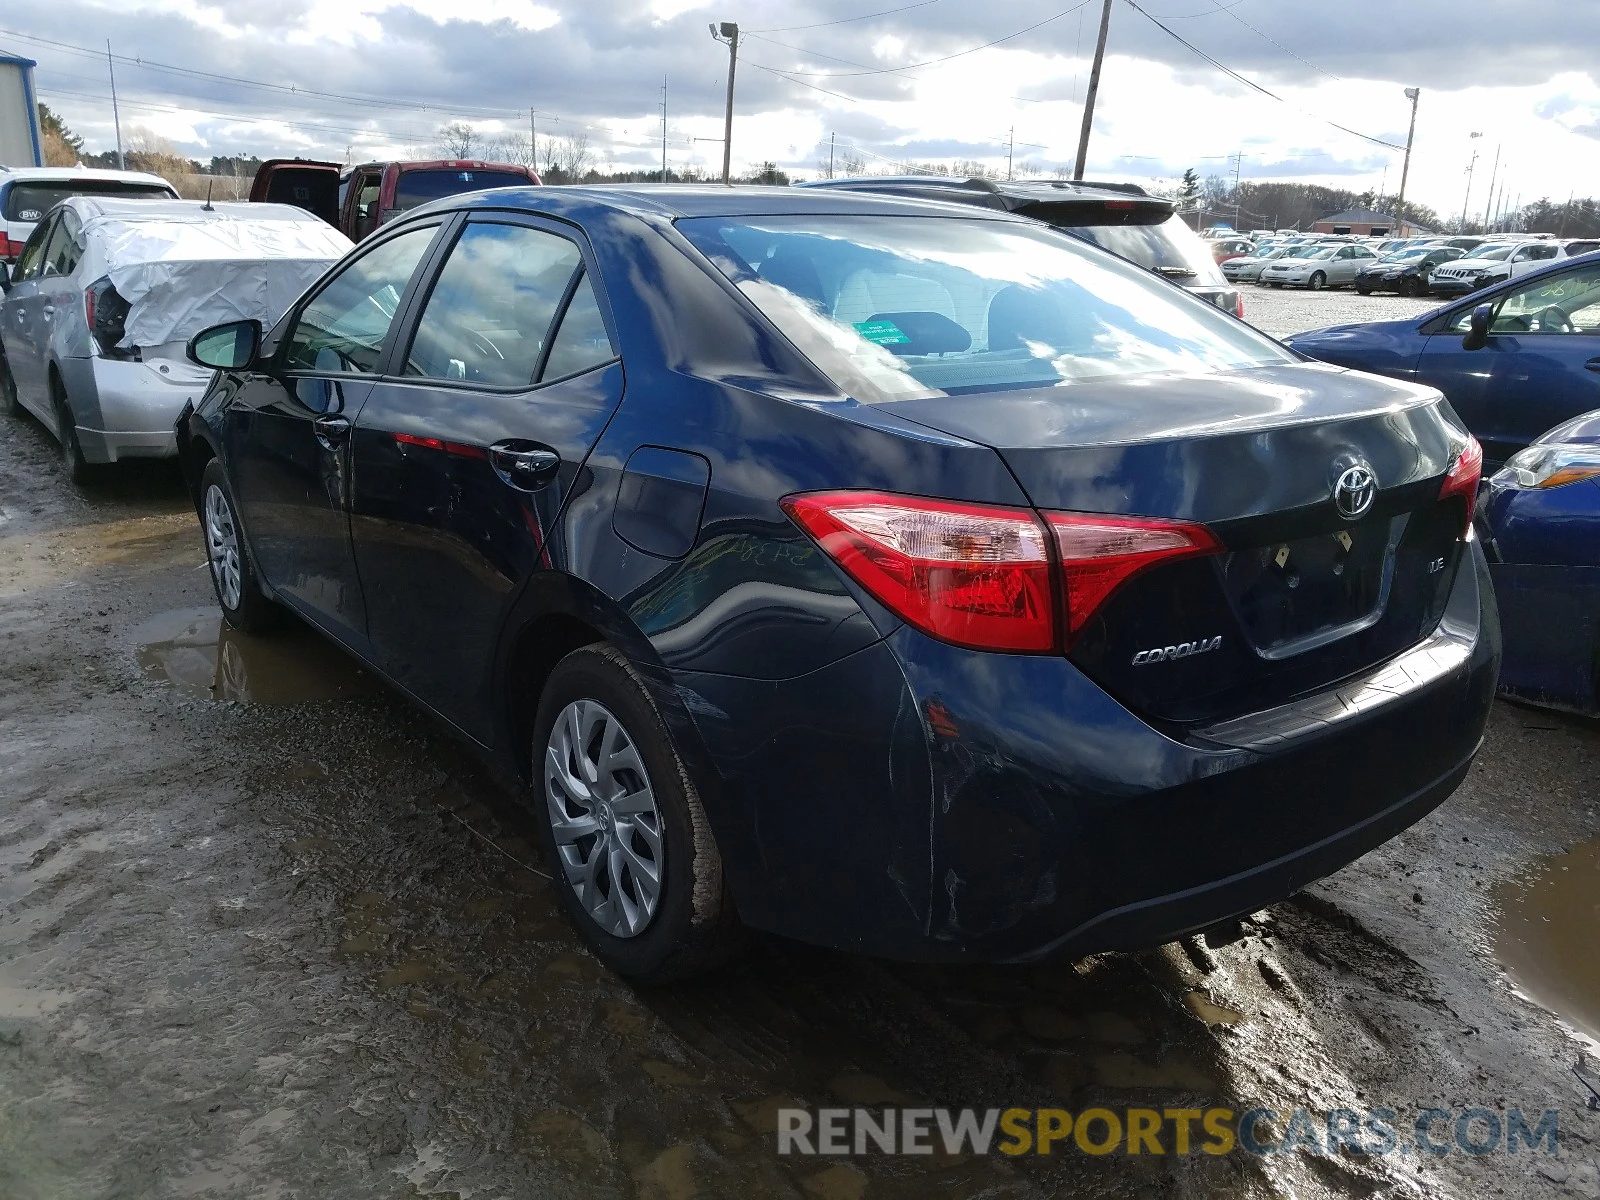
1548	933
200	655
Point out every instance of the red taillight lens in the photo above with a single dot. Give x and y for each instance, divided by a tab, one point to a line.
1238	306
88	306
8	248
1101	553
971	574
1462	480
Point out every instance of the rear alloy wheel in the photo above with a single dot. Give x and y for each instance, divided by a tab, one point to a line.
636	864
233	576
77	467
1318	281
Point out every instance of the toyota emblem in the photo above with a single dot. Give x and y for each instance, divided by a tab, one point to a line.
1355	491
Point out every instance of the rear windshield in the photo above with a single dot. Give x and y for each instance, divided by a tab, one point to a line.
894	308
419	187
30	200
1170	248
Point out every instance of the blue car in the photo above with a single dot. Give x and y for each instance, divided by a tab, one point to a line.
900	576
1539	517
1513	360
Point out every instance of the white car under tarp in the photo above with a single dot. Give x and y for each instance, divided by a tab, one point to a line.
181	267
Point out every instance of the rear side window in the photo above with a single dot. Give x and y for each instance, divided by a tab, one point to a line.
902	307
490	311
582	341
344	326
62	255
1170	248
28	201
419	187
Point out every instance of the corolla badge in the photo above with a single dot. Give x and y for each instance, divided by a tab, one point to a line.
1354	491
1181	650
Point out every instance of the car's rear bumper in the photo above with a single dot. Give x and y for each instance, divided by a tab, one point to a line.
921	801
125	408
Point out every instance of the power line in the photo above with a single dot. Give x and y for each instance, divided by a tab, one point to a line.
1253	85
846	20
1278	44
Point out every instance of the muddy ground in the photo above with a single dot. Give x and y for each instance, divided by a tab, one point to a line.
266	932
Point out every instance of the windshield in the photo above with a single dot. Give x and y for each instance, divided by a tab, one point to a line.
897	308
418	187
1491	252
1405	255
1170	248
29	201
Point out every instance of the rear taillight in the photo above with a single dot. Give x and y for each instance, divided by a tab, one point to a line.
981	576
8	248
1238	305
1462	480
105	311
1101	553
971	574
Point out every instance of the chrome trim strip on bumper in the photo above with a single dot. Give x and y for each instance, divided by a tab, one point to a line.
1428	662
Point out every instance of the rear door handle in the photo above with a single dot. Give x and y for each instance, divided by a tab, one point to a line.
1592	365
525	466
49	310
331	430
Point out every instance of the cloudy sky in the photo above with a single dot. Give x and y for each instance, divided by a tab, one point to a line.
939	79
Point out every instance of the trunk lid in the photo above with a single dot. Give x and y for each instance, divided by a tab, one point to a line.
313	186
1302	594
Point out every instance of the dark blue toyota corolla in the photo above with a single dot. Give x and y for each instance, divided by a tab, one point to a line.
897	576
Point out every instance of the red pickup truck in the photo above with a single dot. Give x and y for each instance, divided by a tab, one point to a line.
357	200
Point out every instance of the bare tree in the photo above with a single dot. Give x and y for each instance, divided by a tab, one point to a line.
566	159
512	148
458	140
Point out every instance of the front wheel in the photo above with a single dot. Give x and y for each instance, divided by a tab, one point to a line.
1318	281
635	861
233	576
1363	289
1410	287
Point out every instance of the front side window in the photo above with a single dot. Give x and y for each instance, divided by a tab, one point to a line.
492	307
344	326
1566	303
902	307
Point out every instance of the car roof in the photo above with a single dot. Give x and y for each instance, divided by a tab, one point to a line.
68	174
671	201
191	211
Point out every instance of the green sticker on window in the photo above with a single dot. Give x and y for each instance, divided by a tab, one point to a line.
884	333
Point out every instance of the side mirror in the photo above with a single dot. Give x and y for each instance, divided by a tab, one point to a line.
1478	330
230	347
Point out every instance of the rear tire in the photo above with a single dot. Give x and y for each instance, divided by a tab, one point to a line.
1318	281
233	576
73	462
635	862
9	400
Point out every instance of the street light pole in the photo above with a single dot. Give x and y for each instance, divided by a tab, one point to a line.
728	32
116	116
1094	90
1473	162
1400	206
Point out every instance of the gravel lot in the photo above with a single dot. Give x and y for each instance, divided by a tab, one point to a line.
1282	311
267	932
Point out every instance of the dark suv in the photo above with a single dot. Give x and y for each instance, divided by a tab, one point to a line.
1120	217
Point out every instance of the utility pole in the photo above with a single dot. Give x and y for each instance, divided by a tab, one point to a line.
1473	162
1094	90
1011	148
663	129
1400	205
728	32
116	117
533	140
1495	171
1238	164
830	155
